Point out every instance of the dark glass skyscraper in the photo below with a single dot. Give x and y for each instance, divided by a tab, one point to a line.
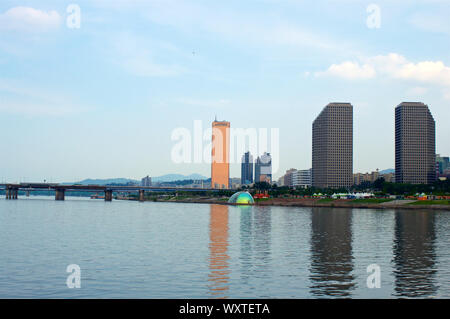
332	147
247	169
263	168
415	144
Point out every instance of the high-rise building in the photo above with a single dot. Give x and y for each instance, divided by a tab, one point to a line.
415	149
332	147
263	168
146	181
247	169
220	155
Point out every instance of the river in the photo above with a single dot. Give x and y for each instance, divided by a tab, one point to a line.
127	249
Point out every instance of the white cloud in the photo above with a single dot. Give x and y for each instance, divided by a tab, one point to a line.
386	63
392	66
398	67
350	70
29	20
427	72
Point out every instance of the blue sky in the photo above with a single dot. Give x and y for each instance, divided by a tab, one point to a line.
101	101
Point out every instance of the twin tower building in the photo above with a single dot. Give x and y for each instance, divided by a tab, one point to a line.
332	147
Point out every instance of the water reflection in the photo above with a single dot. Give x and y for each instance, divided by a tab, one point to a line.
262	220
255	240
218	251
331	271
414	254
246	247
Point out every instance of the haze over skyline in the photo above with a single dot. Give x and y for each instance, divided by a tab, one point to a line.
102	101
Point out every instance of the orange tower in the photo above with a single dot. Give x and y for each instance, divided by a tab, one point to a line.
220	155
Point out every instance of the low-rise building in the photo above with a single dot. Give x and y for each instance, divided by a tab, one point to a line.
359	178
280	181
236	183
295	178
287	178
301	178
388	177
442	166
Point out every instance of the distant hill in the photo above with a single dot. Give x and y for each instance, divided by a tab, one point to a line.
177	177
387	171
107	181
157	179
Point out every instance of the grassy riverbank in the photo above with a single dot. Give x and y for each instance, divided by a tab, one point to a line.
430	202
374	203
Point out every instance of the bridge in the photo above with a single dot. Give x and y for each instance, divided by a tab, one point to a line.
12	190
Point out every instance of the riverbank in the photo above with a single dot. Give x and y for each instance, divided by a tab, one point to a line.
310	202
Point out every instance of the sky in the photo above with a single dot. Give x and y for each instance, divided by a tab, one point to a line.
102	98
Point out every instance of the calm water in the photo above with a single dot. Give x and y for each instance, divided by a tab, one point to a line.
170	250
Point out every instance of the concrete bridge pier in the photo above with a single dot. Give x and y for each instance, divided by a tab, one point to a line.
141	195
108	195
11	193
59	194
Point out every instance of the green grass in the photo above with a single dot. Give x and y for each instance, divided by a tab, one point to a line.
431	202
181	197
371	200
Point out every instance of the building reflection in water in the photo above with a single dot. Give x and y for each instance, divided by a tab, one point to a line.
246	247
218	251
262	236
414	254
331	272
255	245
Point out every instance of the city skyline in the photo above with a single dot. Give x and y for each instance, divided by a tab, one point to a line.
101	101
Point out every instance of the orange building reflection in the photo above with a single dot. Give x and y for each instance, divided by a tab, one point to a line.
218	251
